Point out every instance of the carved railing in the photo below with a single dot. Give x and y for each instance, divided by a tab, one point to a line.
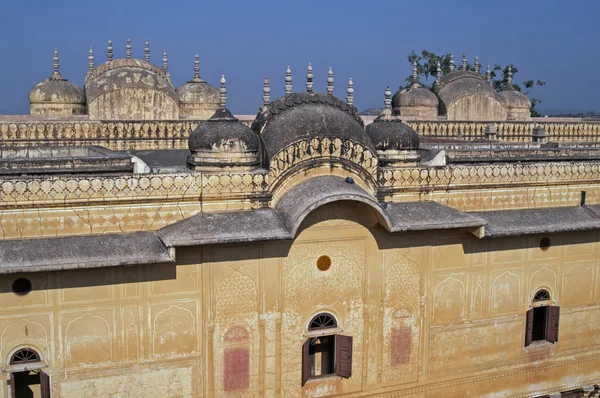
173	134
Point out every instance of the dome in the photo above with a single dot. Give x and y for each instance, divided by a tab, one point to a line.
389	133
414	97
514	99
197	98
303	116
222	141
466	95
130	89
56	96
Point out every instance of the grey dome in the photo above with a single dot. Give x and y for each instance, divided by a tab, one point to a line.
462	83
514	99
299	116
56	91
414	97
198	93
388	133
220	129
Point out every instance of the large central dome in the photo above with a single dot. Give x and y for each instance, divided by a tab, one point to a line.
302	116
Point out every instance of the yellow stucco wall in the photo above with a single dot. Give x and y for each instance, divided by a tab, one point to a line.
162	330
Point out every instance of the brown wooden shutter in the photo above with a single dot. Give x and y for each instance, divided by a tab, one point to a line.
529	328
552	323
44	384
305	361
343	355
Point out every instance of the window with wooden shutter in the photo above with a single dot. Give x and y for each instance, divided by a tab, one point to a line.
529	328
343	356
306	362
552	324
44	385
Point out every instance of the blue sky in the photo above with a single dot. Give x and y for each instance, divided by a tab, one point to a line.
555	41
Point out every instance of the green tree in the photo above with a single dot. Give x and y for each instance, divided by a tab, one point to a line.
427	62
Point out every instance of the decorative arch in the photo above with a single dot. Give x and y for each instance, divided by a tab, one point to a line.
542	295
297	203
24	355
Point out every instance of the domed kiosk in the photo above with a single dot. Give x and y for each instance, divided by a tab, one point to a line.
396	143
130	89
415	101
222	142
518	105
302	130
466	95
56	96
197	99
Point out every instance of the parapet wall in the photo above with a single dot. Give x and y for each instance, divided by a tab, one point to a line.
173	134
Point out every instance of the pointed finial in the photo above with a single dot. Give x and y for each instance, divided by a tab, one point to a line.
463	66
350	92
438	74
165	60
309	79
147	51
388	98
288	81
128	49
109	50
451	62
488	74
477	64
196	67
509	78
91	59
266	92
330	81
415	75
223	93
56	74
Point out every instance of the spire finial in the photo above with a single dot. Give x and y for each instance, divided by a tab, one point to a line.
477	64
56	74
128	49
309	79
451	62
350	92
509	78
330	81
165	60
288	81
415	75
388	98
223	93
196	67
463	66
266	92
109	50
438	74
91	59
147	51
488	74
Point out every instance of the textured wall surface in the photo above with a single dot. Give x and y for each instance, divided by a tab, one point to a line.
476	107
430	313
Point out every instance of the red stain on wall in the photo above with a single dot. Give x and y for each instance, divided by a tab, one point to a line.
401	341
237	369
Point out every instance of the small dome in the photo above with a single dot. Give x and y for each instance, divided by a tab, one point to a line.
223	142
197	98
389	133
514	99
56	91
300	116
56	96
414	97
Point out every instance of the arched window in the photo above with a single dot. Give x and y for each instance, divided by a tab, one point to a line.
322	321
542	320
326	354
25	355
541	295
28	378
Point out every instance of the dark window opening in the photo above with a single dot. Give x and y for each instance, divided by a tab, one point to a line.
542	324
322	321
28	383
321	354
24	355
545	243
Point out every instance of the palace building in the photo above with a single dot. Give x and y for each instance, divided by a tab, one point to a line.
153	244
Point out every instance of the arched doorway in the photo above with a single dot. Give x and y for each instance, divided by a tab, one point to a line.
27	378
